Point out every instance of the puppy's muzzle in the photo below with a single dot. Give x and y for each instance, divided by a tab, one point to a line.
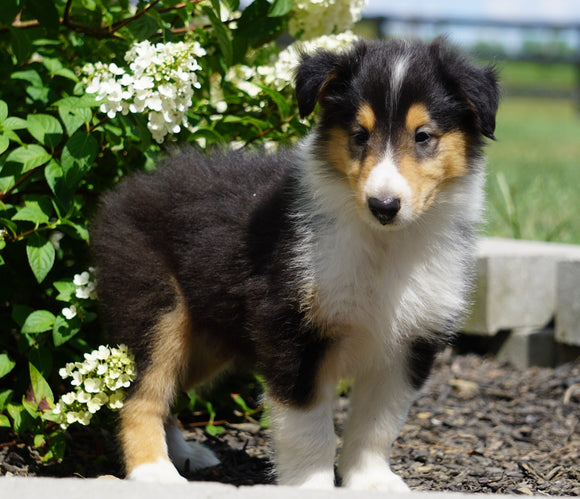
384	210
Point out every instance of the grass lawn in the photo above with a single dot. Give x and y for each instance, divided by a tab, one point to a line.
533	180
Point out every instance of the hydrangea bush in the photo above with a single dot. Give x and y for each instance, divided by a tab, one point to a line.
93	90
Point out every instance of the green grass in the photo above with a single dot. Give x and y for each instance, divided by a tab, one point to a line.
529	75
533	180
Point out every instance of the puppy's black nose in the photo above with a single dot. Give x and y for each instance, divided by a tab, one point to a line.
384	210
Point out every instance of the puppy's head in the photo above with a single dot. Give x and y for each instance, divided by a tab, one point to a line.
398	121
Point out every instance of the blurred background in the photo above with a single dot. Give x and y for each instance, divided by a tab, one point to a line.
533	179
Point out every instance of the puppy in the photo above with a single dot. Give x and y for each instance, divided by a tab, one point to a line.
349	255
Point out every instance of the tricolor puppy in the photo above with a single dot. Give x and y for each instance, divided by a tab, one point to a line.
349	255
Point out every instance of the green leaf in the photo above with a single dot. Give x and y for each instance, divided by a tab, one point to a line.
22	420
40	388
4	143
41	255
29	75
14	123
280	101
5	396
143	27
38	321
66	290
256	24
6	364
64	330
79	153
223	35
30	156
21	45
214	430
8	11
38	211
45	128
4	421
45	11
3	111
280	8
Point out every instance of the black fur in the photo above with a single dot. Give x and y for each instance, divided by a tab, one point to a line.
219	226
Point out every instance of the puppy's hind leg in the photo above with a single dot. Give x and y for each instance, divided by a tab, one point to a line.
146	410
186	456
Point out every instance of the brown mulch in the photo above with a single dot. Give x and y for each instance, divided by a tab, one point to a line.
479	426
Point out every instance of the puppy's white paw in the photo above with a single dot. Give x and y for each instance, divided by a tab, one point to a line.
376	479
162	472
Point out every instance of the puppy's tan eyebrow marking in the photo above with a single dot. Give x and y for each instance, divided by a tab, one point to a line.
417	116
365	116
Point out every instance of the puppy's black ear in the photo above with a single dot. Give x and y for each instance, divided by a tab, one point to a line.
313	73
477	86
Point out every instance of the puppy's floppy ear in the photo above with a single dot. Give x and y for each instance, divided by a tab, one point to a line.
478	87
313	73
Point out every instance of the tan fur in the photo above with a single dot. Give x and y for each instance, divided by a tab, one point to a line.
339	157
366	117
144	413
427	176
417	116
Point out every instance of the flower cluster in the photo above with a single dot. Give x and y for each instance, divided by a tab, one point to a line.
280	73
160	81
314	18
101	380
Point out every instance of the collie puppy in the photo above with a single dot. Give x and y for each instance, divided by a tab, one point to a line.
349	255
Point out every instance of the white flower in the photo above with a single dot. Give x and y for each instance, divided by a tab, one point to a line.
93	385
68	398
81	279
96	402
163	78
83	397
102	353
77	379
100	380
116	400
69	312
280	73
313	18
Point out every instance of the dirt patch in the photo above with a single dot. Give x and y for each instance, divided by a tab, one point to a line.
479	426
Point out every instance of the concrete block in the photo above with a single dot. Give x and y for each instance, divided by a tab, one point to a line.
529	347
568	303
515	284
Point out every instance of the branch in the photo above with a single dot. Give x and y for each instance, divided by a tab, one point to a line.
98	33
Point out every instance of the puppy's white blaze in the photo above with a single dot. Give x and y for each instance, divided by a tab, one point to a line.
386	181
161	471
398	74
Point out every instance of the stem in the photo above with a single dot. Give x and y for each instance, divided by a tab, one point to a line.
19	182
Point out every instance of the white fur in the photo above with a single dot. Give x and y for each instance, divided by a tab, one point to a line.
187	456
161	471
398	73
382	289
305	443
385	181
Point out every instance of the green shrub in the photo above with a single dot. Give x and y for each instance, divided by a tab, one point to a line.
66	136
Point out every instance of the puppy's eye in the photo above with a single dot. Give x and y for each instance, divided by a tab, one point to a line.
361	137
422	137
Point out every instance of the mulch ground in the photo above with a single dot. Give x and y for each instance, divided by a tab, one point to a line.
479	426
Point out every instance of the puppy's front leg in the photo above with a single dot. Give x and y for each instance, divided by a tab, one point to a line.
304	442
379	404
